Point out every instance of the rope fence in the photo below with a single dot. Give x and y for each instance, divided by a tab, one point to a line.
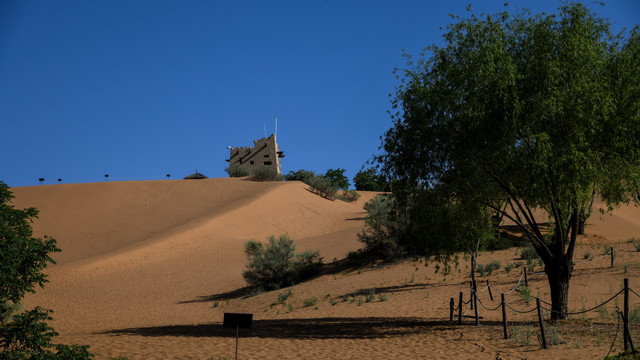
475	299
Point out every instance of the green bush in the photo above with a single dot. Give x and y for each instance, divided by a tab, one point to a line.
265	173
237	170
488	268
323	187
380	234
348	196
276	264
529	253
301	175
309	301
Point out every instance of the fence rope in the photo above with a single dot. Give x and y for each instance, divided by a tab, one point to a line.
616	335
518	311
583	311
630	289
480	301
592	260
514	289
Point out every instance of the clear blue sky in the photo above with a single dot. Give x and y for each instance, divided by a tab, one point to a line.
139	89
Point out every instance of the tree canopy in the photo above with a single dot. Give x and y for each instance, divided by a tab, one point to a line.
518	112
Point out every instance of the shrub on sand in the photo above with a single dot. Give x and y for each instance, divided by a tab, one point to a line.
275	264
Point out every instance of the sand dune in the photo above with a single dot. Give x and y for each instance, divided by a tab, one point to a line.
144	263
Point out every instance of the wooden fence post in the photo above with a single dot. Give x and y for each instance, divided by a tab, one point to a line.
451	306
526	281
625	316
612	256
489	287
475	308
504	317
460	310
471	293
541	322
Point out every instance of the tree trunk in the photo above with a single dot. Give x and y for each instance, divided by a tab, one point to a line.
581	226
559	273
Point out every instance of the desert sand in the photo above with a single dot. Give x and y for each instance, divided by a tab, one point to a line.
148	269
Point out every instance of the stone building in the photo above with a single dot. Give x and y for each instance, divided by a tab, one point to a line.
264	152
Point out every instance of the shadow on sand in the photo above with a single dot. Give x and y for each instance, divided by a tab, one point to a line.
319	328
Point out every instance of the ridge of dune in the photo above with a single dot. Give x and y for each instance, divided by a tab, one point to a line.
93	219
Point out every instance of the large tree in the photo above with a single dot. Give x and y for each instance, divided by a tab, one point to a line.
523	112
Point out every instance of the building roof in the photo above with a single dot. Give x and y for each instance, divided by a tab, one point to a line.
196	176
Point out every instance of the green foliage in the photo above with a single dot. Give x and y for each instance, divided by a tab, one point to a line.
529	253
370	180
337	178
282	297
276	264
309	301
525	294
488	268
491	116
237	170
301	175
323	187
348	196
382	231
265	173
25	334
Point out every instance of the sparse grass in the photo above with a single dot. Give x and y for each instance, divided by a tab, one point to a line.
383	297
587	255
309	301
525	294
215	304
553	338
521	334
488	268
371	295
283	296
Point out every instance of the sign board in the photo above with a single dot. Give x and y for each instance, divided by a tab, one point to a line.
232	320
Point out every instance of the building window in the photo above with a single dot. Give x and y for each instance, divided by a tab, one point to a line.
266	156
267	162
251	162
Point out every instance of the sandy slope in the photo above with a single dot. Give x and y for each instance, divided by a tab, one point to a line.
143	264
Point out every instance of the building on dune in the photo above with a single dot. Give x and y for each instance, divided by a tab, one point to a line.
264	152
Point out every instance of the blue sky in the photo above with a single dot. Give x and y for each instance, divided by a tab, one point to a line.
141	89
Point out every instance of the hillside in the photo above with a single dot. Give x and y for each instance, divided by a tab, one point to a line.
148	269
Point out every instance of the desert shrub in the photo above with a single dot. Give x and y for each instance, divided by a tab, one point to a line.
379	235
309	301
275	264
301	175
265	173
348	196
237	170
282	297
488	268
529	253
323	187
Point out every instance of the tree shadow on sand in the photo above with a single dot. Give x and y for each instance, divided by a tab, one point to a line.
319	328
